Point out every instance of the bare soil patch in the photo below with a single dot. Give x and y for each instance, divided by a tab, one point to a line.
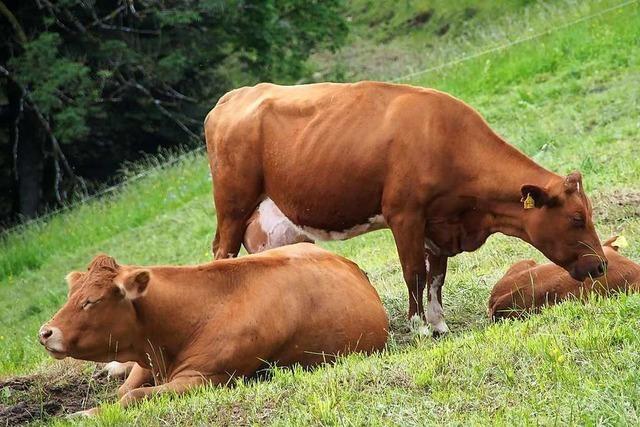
617	206
62	391
420	19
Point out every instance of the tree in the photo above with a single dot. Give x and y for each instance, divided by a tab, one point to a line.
87	84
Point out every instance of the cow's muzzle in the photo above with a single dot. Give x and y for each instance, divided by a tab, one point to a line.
593	269
51	339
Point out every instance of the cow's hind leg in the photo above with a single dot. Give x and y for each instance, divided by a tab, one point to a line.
235	199
216	241
229	235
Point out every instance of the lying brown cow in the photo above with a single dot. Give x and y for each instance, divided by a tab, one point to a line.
527	286
186	326
331	161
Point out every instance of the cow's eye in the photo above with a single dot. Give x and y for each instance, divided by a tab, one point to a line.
89	303
578	221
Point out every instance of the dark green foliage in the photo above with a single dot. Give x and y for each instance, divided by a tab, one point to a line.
60	87
113	79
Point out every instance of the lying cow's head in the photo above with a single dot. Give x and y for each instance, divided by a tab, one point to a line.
558	222
98	321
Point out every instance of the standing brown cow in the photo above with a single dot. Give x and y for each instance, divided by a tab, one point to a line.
186	326
527	286
331	161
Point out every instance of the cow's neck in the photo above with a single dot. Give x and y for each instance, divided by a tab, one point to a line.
168	317
506	218
157	345
501	193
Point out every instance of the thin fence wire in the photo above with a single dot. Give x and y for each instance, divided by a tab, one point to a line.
176	159
103	192
514	42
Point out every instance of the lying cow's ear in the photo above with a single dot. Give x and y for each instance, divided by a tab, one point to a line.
533	196
73	281
134	283
616	242
609	242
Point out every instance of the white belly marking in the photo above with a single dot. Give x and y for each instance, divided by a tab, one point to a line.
282	231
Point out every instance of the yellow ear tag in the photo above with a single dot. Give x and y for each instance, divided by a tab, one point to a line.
620	242
529	203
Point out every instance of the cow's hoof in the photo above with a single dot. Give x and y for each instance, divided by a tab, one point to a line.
417	326
436	334
423	331
439	330
86	413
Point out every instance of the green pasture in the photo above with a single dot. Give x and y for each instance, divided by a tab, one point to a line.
570	99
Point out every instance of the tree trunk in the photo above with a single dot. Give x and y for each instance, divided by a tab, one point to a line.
27	140
30	165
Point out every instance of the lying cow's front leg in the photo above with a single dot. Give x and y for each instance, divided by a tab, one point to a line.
178	385
436	272
138	377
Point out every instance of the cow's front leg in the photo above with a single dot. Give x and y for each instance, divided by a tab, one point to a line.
178	385
138	377
408	232
436	272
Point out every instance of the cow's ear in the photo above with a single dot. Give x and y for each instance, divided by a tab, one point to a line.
73	281
573	182
533	196
135	283
616	242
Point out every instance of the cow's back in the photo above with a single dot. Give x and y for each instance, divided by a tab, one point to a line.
352	136
300	301
527	288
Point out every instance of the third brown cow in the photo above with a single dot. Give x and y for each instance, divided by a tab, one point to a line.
528	286
330	161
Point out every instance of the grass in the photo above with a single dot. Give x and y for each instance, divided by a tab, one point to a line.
585	364
568	99
391	39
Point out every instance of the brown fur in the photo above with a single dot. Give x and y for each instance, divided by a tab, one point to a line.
207	323
527	286
331	156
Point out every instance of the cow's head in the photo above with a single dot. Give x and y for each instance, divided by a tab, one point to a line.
558	222
98	321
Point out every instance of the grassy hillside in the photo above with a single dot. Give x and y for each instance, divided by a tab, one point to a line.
569	99
391	39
